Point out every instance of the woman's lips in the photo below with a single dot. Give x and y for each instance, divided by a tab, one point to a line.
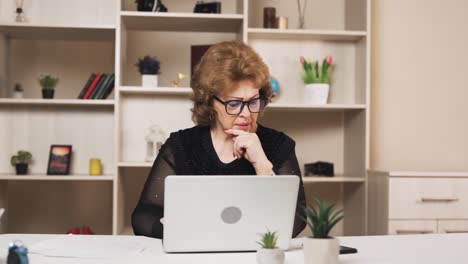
243	126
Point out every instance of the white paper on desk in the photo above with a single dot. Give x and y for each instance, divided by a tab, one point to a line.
88	246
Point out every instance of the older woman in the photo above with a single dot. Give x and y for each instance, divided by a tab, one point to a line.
230	89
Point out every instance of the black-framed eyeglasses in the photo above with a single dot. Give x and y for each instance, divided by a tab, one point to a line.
235	107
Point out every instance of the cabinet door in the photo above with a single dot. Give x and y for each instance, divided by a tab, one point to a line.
452	226
428	198
409	227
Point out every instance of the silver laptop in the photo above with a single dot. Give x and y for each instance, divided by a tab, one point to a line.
227	213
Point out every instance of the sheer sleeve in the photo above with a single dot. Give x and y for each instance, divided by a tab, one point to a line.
291	167
150	208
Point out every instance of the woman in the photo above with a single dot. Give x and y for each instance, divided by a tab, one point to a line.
227	139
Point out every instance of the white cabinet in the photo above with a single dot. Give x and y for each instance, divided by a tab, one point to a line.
417	203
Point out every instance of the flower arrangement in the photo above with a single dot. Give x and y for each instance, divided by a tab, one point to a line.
315	73
148	65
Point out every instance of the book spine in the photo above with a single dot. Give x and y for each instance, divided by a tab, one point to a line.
99	86
85	88
92	86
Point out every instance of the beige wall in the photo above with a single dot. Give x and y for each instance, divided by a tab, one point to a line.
420	85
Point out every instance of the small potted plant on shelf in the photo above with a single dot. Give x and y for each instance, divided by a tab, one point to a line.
18	91
317	80
149	69
48	83
269	253
321	248
21	161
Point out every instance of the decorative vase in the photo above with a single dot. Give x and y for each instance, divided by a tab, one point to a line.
149	80
320	250
47	93
316	93
21	169
18	94
270	256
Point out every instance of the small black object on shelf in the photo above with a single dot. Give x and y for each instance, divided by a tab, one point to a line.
319	168
150	6
17	253
208	7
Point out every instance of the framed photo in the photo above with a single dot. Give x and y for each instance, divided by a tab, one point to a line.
59	160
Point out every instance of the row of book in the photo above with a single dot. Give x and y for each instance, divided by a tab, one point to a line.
98	86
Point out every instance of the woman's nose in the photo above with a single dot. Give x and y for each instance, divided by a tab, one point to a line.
245	111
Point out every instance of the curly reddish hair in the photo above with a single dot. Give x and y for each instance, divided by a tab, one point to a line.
220	69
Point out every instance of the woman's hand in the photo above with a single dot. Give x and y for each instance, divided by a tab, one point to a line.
248	145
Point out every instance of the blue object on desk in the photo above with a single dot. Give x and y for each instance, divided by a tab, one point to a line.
17	253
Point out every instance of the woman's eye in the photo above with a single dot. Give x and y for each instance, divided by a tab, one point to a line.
234	104
254	102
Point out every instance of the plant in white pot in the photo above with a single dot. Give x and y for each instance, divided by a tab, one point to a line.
317	80
149	69
321	248
269	253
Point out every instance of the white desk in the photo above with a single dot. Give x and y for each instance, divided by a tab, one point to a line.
444	248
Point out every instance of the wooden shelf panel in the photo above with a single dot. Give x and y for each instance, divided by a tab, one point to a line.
154	21
55	102
156	90
58	32
135	164
43	177
306	107
305	34
337	179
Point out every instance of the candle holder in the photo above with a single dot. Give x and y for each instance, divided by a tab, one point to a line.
19	11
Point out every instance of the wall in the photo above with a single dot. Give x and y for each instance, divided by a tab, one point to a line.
419	85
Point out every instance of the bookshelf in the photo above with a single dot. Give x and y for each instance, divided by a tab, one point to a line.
109	38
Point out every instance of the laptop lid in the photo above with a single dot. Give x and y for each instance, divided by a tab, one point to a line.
227	213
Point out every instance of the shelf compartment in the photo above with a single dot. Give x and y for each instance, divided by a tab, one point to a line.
58	32
306	34
155	21
53	102
156	90
43	177
335	179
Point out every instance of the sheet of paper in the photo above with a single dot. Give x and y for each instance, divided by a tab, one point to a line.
89	246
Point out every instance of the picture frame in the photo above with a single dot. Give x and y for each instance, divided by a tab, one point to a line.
59	160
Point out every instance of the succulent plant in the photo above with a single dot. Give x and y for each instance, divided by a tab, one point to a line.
148	65
48	81
268	240
322	219
23	157
18	87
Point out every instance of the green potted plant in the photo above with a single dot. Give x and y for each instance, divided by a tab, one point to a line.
149	69
21	161
317	80
269	253
48	83
18	91
321	248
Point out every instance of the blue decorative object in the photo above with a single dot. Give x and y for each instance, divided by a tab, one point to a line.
274	86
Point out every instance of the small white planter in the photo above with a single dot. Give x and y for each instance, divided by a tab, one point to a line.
17	94
320	250
270	256
316	93
149	80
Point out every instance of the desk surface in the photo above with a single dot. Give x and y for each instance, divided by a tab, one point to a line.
444	248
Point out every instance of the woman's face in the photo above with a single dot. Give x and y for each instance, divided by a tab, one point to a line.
245	120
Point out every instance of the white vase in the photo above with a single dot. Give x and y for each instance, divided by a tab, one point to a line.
316	93
320	250
149	80
270	256
17	94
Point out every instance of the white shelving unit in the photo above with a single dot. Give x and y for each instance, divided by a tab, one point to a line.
110	39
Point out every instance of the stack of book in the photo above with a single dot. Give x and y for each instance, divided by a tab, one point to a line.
98	86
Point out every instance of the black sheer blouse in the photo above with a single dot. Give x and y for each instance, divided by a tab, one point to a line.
191	152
